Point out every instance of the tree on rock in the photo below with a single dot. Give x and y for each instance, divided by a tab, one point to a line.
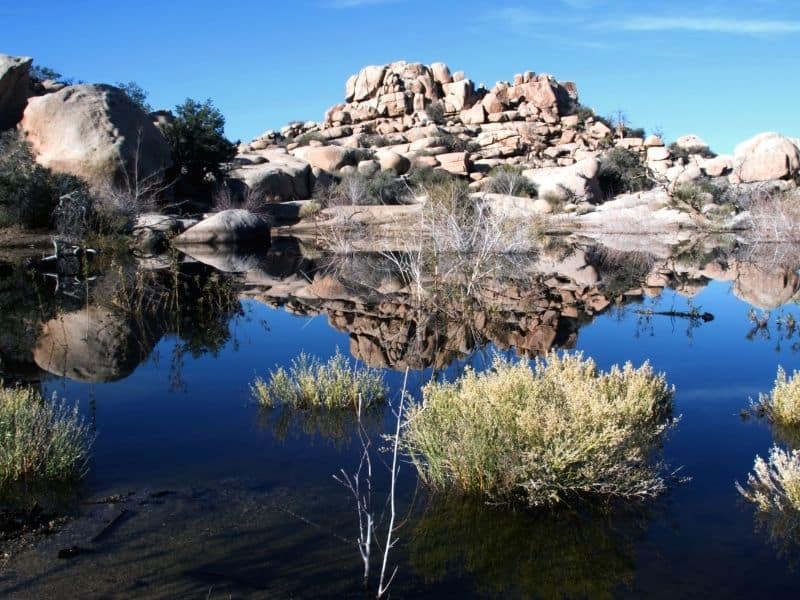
199	145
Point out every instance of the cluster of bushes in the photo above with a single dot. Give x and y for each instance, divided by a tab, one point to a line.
684	154
622	171
29	193
509	180
357	189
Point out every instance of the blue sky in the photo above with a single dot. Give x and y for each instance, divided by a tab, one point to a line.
722	69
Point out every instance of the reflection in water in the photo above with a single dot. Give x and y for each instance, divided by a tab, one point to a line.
563	554
338	427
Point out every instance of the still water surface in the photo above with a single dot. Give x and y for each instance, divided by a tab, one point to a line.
229	499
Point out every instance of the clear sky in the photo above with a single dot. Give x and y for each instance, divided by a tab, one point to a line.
724	70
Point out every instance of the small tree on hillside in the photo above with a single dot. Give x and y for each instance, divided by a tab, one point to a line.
199	145
137	95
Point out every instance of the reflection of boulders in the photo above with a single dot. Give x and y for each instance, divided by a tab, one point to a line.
765	286
233	226
518	554
94	345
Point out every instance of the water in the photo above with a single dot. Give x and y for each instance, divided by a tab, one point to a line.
229	499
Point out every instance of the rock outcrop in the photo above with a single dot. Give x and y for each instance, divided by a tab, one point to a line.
765	157
15	88
234	226
97	133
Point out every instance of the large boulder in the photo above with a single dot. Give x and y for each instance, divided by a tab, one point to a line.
393	161
574	182
15	88
96	133
234	226
275	175
327	158
765	157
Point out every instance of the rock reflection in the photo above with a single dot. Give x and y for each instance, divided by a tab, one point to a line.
563	554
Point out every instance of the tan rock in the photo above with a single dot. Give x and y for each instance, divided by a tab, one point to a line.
14	88
327	158
717	166
392	161
653	141
657	153
474	116
577	181
365	84
94	132
441	73
456	163
765	157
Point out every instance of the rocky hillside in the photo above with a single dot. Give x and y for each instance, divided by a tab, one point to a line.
394	118
402	115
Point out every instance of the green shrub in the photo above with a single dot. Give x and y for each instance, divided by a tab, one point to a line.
137	95
684	154
435	112
696	194
310	383
41	440
357	189
508	179
622	171
199	145
542	435
29	193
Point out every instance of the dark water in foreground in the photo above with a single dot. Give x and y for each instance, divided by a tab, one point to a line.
230	500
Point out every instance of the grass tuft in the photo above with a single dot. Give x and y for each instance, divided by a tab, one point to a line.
544	434
310	383
41	440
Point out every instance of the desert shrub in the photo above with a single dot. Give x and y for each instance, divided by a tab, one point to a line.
694	195
42	440
313	136
199	145
454	143
310	383
508	179
773	487
43	73
136	94
774	217
29	193
684	154
782	405
622	171
545	434
357	189
374	140
420	178
637	132
435	112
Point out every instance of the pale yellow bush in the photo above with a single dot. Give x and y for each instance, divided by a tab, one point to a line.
782	404
543	434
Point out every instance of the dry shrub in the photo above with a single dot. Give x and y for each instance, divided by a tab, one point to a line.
544	434
310	383
775	217
41	440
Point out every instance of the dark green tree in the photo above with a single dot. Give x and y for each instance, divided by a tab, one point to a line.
137	95
199	145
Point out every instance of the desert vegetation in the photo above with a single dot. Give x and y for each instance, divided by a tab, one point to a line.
543	435
782	405
29	193
43	440
623	171
311	383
